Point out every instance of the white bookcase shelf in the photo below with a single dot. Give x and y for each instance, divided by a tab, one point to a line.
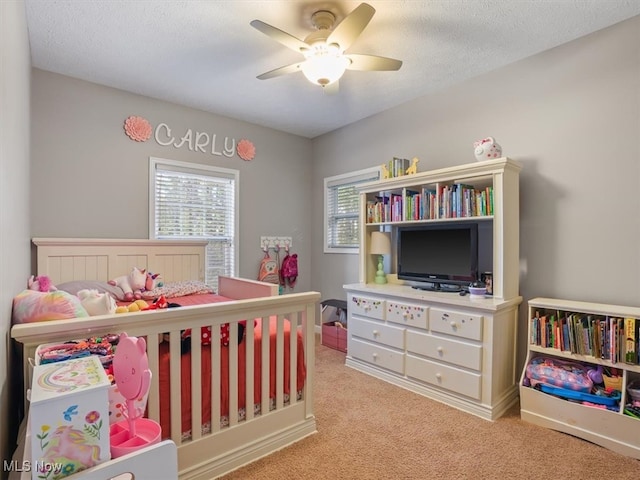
501	176
610	428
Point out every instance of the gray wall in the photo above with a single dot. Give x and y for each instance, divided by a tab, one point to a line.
93	179
14	202
571	116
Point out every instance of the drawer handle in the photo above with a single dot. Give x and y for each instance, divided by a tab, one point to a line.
376	333
453	324
375	356
440	350
405	314
439	376
367	308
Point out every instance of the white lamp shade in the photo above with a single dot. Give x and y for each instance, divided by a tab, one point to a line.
325	64
380	243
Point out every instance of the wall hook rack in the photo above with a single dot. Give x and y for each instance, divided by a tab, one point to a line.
267	242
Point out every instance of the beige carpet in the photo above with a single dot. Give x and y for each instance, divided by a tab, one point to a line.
368	429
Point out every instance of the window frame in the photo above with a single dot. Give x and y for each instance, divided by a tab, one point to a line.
202	169
365	175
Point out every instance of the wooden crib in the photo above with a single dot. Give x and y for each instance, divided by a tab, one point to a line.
206	452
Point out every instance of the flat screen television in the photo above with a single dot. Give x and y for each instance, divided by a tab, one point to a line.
442	256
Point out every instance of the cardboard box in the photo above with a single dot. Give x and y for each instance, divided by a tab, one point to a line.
69	417
334	337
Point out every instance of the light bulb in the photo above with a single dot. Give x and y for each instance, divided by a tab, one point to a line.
324	65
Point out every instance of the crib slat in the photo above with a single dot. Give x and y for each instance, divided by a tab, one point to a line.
216	379
280	362
293	358
249	359
308	327
175	382
233	374
264	365
153	401
196	384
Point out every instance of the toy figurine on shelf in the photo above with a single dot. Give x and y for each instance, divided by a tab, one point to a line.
413	168
384	171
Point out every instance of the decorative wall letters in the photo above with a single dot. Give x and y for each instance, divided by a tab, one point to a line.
139	129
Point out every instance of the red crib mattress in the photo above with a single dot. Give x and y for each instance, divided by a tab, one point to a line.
164	370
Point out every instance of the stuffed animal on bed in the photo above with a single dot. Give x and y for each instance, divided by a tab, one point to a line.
41	283
154	280
132	284
96	303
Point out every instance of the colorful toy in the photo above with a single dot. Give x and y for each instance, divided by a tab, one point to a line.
413	168
154	280
41	283
132	284
486	149
96	303
133	377
136	306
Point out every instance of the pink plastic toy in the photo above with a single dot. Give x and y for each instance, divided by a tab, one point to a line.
133	377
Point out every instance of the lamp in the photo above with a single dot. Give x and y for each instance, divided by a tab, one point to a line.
380	245
325	64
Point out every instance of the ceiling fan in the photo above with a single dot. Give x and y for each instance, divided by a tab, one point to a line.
324	50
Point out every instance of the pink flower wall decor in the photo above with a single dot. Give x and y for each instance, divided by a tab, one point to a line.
246	150
137	128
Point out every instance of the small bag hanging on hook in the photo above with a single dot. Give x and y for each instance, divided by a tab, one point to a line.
289	269
268	269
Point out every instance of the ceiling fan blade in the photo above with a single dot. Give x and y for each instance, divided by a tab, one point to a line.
372	62
346	32
280	36
294	67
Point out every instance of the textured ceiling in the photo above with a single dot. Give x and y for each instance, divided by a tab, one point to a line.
205	55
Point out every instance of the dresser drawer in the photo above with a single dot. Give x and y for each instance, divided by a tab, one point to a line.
451	351
369	307
377	332
377	355
460	324
450	378
407	314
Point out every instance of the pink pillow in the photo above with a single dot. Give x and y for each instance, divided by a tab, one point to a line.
31	306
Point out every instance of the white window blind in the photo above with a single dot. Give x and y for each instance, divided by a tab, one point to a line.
192	201
342	209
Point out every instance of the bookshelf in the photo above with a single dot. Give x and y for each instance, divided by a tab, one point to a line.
595	335
485	192
454	349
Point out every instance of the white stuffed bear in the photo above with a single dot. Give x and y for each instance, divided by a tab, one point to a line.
132	285
96	303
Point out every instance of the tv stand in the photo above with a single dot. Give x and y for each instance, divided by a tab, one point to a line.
451	348
439	287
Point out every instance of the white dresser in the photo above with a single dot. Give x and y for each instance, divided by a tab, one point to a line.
454	349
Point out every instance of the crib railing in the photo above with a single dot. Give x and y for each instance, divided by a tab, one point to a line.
294	313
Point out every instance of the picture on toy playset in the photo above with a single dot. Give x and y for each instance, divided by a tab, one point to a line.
69	417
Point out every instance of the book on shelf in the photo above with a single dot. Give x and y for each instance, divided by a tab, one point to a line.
398	166
630	340
610	338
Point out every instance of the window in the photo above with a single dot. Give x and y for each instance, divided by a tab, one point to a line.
193	201
341	210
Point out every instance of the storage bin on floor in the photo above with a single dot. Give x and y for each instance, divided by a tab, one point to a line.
334	324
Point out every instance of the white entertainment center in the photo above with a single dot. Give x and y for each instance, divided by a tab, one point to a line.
457	349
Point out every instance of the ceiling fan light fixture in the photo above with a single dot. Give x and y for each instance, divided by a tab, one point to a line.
324	65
